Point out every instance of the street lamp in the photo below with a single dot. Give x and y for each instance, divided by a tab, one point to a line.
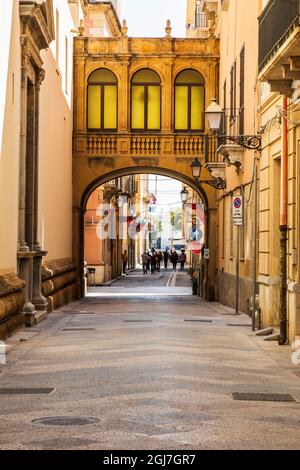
184	195
196	167
214	114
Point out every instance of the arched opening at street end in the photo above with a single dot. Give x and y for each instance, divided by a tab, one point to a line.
145	233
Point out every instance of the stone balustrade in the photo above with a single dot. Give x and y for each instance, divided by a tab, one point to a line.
113	145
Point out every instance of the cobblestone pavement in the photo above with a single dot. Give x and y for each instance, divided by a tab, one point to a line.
152	376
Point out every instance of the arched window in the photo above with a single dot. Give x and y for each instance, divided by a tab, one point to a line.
102	101
189	101
146	101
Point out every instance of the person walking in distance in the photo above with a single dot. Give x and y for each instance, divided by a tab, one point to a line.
174	259
153	261
145	258
124	261
182	260
166	258
149	260
159	260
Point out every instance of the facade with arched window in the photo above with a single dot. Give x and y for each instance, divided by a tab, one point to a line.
148	98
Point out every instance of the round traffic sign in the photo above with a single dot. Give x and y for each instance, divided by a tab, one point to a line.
237	202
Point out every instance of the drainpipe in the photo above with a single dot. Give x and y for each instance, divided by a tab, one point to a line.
283	227
254	249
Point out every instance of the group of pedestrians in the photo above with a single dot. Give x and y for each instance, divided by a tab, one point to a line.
152	260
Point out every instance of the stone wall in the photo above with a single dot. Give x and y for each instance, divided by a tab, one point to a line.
12	300
58	283
227	291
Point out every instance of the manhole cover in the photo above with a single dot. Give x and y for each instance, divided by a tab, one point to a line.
65	421
25	391
199	321
280	397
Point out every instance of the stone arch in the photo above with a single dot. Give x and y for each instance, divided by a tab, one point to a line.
210	210
141	170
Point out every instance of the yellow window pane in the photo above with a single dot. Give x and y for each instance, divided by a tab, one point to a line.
138	107
181	107
110	107
94	107
146	76
154	107
189	76
197	111
102	76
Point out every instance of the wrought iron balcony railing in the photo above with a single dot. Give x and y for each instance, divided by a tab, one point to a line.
276	23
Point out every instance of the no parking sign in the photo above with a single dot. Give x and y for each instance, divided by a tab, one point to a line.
237	210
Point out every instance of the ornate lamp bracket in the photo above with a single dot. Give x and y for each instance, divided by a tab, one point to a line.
251	142
217	183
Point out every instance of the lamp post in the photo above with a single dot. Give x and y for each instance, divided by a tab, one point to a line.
215	114
196	167
184	195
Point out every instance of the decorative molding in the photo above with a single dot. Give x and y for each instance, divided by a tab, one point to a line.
271	281
37	22
217	169
41	74
294	287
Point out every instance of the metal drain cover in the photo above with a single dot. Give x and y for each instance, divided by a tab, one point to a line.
279	397
238	324
65	421
138	321
199	321
25	391
79	329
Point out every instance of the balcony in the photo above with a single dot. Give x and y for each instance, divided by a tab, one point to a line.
95	145
232	125
144	147
279	45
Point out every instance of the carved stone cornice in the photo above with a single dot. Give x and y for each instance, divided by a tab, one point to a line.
33	20
30	53
37	31
41	74
110	14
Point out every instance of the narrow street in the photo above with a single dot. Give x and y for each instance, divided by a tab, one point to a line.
156	372
165	282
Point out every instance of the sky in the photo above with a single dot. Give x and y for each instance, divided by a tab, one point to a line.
147	18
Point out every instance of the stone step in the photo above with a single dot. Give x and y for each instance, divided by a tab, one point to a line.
40	316
273	337
265	332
